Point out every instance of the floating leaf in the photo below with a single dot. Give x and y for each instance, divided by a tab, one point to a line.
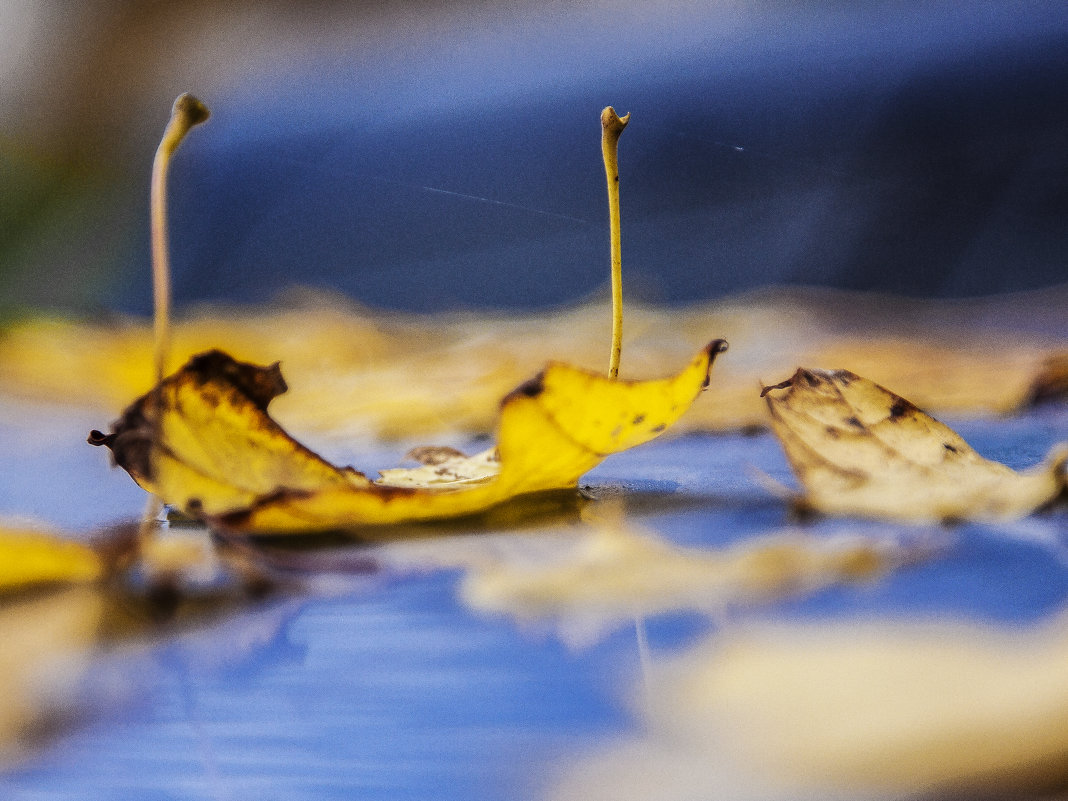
859	449
204	443
30	558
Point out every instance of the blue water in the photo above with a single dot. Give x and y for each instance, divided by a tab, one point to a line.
395	693
383	684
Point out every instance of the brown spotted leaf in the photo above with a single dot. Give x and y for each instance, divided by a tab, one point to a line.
859	449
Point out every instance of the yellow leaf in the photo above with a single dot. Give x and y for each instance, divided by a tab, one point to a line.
218	455
217	448
31	558
859	449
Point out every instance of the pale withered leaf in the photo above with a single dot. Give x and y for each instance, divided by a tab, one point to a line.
859	449
442	466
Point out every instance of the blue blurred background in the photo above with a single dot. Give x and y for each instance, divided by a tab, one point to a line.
425	156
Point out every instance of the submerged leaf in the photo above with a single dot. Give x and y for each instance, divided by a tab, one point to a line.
204	443
859	449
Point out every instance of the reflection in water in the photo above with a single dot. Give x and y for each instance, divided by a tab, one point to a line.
588	582
422	668
48	641
389	691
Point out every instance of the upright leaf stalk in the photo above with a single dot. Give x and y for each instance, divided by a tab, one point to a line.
186	113
612	126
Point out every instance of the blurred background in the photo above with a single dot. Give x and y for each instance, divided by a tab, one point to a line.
446	156
438	156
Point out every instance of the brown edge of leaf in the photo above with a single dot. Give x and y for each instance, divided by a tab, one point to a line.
133	433
1050	385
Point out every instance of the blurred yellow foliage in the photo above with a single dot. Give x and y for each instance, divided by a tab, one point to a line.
357	373
30	558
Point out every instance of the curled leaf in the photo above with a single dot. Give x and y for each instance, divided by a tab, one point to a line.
217	448
859	449
204	443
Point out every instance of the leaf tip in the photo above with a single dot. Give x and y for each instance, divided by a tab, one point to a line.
717	346
712	350
531	388
789	382
99	438
260	384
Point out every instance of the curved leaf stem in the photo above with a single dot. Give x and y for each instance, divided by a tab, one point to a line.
612	126
186	112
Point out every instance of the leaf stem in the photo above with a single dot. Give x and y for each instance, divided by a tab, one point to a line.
612	126
186	113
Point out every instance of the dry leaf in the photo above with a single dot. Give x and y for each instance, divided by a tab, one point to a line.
218	455
859	449
443	466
